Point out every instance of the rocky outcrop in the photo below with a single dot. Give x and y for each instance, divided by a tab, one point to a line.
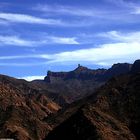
117	69
136	67
82	81
83	73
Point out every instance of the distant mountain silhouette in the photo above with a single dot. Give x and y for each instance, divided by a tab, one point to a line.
83	73
82	81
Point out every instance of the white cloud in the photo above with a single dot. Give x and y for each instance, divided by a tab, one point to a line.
121	11
29	19
68	10
60	40
17	41
103	54
125	49
106	54
22	18
122	37
31	78
24	56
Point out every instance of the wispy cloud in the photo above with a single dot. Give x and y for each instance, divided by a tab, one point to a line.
29	19
126	48
133	7
17	41
23	18
31	78
122	37
136	10
17	57
67	10
96	12
60	40
92	16
106	54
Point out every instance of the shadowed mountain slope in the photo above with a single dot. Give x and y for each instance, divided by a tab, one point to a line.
113	113
30	110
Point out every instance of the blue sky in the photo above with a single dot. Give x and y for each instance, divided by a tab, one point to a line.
41	35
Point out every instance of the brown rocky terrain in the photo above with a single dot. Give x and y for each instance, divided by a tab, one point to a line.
112	113
30	110
22	110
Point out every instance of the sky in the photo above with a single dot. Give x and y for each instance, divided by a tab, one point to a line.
57	35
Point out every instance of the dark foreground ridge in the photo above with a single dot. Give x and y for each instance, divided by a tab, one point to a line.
113	114
82	104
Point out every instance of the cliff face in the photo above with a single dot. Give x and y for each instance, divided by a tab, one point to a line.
82	81
83	73
80	73
112	113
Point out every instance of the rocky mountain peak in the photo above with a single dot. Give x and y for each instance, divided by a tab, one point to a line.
136	66
81	68
119	68
122	66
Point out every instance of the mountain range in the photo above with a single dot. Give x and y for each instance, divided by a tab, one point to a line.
82	104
